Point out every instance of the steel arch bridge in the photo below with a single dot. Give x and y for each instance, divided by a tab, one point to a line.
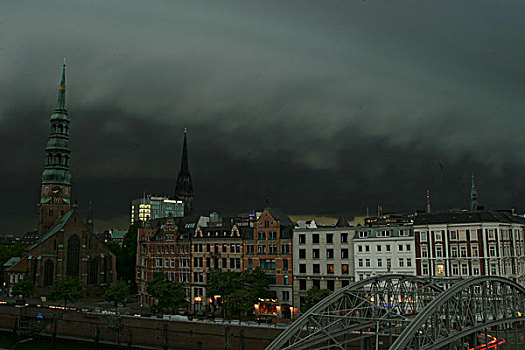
401	312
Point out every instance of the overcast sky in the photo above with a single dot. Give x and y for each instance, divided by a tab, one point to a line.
326	106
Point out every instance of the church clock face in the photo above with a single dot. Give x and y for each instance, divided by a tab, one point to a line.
57	191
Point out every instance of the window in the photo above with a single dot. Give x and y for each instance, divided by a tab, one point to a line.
474	251
378	248
439	251
359	248
379	262
388	264
344	253
302	238
316	268
400	247
344	237
272	235
463	250
408	248
286	295
250	263
302	253
440	269
73	256
383	233
261	235
315	254
285	248
330	285
315	238
423	236
345	283
462	235
453	235
302	284
424	252
367	248
475	270
344	269
493	269
367	262
360	263
302	268
261	248
491	234
401	262
438	236
316	283
285	264
329	238
272	248
48	272
363	234
492	251
424	269
409	262
464	269
455	269
388	247
329	253
473	235
454	252
330	269
361	276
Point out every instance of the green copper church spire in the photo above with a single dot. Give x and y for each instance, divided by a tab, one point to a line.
57	164
61	100
473	195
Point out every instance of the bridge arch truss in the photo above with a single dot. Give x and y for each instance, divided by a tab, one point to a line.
409	312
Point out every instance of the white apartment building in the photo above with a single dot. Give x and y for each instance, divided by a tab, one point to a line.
470	243
322	257
384	249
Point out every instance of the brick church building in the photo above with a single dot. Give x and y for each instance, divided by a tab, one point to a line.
67	245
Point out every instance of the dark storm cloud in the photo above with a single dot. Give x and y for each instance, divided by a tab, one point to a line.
326	108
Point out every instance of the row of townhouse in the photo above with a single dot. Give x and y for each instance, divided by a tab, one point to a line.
460	243
470	243
188	249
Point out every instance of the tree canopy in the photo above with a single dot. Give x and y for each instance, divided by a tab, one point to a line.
126	256
24	287
67	289
117	292
314	296
169	295
239	290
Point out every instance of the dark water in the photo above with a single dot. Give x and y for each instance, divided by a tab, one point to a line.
11	342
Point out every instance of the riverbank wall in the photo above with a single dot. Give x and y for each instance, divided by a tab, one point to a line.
132	331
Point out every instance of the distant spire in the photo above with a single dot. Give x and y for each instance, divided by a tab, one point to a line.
61	100
90	224
342	222
473	195
184	186
428	201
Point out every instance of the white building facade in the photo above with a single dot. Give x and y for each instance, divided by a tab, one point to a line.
384	249
322	257
470	243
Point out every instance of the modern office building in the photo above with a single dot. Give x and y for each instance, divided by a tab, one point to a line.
152	207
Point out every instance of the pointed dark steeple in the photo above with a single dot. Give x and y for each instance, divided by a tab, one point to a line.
473	195
90	224
342	222
184	186
56	178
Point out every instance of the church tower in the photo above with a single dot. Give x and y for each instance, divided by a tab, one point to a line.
55	196
184	187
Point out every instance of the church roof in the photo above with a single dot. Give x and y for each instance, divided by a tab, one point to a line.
55	229
12	261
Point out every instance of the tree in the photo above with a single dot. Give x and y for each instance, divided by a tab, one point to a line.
67	289
169	295
126	256
314	296
239	290
117	292
24	287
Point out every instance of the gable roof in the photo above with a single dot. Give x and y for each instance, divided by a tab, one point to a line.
60	225
12	261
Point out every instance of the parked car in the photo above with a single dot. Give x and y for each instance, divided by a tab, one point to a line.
266	320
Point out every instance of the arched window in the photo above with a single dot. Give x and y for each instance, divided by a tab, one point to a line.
60	129
59	158
49	273
73	256
93	272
